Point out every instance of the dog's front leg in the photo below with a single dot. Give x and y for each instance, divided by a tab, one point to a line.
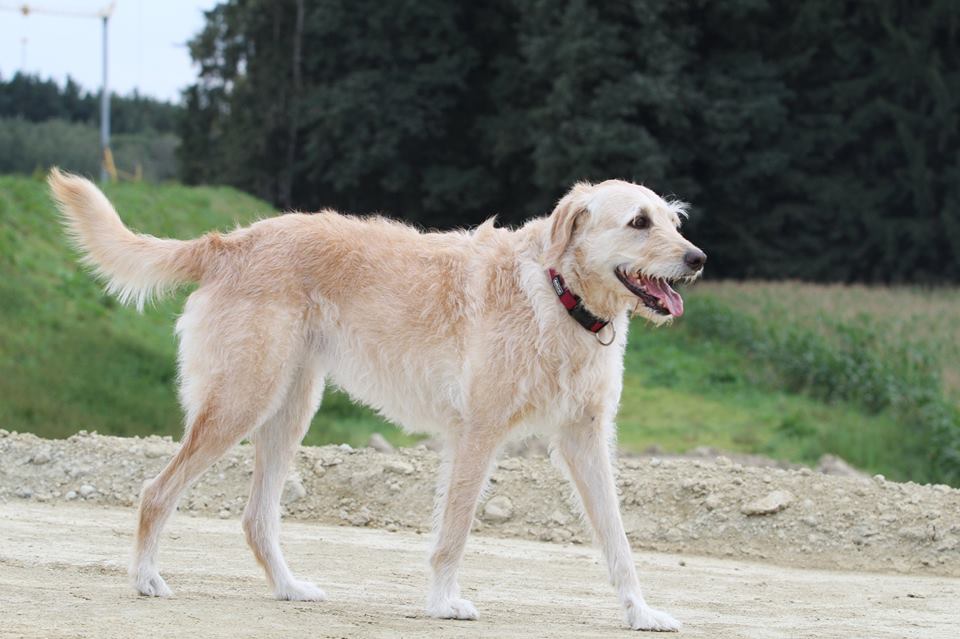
462	477
585	451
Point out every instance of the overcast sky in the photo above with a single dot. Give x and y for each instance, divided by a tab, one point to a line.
146	43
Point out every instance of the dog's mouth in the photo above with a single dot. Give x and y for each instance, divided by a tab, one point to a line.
655	292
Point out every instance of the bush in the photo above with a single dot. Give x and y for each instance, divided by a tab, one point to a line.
27	147
850	360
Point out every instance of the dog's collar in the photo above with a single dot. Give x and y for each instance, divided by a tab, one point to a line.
575	307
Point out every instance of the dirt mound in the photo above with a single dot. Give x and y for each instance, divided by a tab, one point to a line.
717	507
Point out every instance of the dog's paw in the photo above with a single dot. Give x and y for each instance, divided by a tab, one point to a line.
300	591
643	617
151	584
453	608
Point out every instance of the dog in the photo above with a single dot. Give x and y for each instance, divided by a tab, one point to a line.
470	335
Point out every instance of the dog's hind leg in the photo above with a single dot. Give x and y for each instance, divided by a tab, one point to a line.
276	444
584	451
234	375
463	476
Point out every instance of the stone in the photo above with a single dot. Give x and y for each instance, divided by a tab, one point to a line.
498	509
43	457
833	465
772	503
712	502
380	444
23	492
71	495
398	467
293	490
86	490
153	451
511	463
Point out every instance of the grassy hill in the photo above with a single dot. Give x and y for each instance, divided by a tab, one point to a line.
787	370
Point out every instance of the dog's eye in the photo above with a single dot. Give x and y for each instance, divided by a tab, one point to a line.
640	222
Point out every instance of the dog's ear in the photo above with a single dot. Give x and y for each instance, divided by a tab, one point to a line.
564	219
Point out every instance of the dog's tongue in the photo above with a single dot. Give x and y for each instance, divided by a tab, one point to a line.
667	296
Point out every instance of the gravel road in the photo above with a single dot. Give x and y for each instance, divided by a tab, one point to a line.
740	551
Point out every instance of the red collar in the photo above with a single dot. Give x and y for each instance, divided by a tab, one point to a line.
574	304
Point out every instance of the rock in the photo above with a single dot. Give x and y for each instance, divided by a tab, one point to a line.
43	457
23	492
833	465
398	467
293	490
498	509
347	448
153	451
224	514
86	490
511	463
774	502
712	502
380	444
360	518
361	480
71	495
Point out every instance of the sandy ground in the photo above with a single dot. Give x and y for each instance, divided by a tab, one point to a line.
62	575
732	550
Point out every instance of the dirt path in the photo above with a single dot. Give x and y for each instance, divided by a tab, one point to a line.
62	575
715	507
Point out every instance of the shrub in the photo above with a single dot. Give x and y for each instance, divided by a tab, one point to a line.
850	360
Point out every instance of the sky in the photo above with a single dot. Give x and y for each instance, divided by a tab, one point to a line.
146	43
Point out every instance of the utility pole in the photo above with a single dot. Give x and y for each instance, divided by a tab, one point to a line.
108	169
106	156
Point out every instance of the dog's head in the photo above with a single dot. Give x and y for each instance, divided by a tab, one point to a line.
622	243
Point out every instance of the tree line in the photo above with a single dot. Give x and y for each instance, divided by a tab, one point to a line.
817	140
35	99
43	123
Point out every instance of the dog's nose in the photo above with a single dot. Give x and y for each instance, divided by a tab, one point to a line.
695	259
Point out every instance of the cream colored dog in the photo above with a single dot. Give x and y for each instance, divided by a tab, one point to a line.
463	334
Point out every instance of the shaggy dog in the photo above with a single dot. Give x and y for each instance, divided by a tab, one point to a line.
470	335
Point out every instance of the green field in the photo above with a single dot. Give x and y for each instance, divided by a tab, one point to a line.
788	370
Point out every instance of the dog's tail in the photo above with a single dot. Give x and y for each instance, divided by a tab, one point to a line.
136	268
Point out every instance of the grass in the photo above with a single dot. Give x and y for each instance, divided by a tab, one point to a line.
682	390
789	370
